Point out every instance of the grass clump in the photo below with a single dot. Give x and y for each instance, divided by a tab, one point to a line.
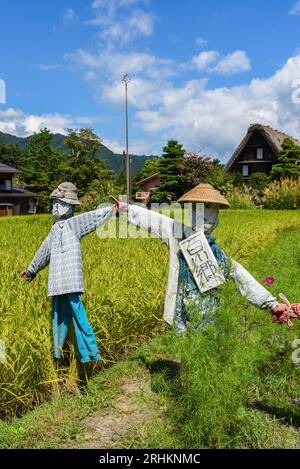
241	198
283	194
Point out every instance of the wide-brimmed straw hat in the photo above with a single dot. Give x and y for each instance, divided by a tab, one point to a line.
66	192
204	193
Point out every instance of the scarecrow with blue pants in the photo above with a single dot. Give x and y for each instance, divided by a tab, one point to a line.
62	251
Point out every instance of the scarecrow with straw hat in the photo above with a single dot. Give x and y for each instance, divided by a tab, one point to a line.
184	292
62	250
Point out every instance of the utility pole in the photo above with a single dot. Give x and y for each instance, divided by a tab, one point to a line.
126	80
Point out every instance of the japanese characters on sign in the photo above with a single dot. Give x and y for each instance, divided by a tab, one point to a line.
202	262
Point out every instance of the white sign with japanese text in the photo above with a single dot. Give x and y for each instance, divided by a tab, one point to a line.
202	262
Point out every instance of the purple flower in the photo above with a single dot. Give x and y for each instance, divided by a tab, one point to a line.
269	280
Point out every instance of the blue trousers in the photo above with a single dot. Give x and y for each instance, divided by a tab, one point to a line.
64	309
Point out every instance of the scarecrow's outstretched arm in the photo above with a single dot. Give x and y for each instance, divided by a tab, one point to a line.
41	258
87	222
150	221
261	297
251	288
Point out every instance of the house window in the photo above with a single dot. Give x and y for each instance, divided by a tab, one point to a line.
8	185
31	206
259	154
245	170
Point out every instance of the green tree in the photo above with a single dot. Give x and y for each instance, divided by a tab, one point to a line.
80	165
99	192
288	161
237	179
193	169
11	155
171	186
41	171
84	171
150	167
219	179
82	142
259	181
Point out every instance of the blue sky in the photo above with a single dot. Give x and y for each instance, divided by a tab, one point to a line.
201	71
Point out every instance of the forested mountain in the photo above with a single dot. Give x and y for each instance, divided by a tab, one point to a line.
114	160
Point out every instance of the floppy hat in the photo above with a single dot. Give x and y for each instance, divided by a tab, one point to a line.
66	192
204	193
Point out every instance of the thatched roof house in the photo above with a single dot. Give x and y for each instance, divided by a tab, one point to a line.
258	150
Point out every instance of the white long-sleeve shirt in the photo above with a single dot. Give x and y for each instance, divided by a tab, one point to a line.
170	232
62	249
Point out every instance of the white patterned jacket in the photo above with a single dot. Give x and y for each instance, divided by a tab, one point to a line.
62	249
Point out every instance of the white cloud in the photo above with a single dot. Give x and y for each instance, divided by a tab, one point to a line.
138	23
210	61
46	67
142	147
2	92
203	118
234	63
100	3
90	76
69	17
113	64
17	122
214	120
201	42
106	4
204	60
142	22
113	145
142	93
137	147
295	9
209	119
118	23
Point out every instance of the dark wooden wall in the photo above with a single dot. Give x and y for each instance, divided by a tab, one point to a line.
248	156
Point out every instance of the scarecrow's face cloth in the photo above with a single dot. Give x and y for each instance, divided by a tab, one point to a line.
61	210
205	217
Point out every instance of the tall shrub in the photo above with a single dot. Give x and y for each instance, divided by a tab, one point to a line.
283	194
241	198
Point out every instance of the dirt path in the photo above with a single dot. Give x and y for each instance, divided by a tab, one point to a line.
133	408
